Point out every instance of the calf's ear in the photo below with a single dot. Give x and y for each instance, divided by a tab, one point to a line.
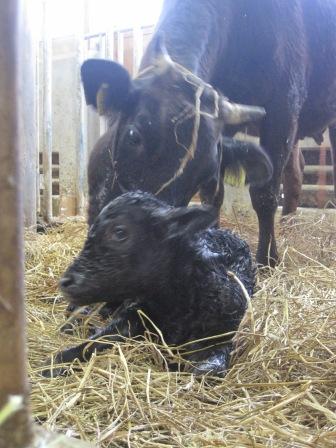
186	221
106	84
245	162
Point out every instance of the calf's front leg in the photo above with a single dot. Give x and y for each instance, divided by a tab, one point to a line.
125	324
213	361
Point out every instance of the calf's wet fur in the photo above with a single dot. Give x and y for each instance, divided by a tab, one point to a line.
142	255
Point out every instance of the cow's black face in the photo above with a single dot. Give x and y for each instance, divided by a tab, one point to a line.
160	146
166	127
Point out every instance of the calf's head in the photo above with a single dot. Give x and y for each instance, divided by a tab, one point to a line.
131	248
166	125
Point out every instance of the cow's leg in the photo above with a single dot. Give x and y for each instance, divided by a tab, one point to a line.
277	137
125	324
292	178
332	136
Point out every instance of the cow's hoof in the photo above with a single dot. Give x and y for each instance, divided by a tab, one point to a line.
267	261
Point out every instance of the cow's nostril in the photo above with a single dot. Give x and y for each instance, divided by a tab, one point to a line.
67	281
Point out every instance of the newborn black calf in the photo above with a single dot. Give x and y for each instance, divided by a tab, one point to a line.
141	254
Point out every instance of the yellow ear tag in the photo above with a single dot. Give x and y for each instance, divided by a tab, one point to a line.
235	176
100	99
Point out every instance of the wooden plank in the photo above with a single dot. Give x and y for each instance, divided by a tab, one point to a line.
315	188
15	430
317	168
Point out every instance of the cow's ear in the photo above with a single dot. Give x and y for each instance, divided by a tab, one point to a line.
245	163
106	84
186	221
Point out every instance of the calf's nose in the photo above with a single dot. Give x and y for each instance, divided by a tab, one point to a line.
70	280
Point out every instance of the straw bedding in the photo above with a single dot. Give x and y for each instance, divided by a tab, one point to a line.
280	391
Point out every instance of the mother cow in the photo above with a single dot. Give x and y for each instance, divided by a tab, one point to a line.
278	54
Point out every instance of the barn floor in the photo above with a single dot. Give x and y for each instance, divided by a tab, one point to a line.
280	391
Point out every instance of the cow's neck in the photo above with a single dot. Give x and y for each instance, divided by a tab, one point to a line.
193	37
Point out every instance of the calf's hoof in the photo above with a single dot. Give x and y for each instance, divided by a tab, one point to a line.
52	367
52	372
216	365
70	328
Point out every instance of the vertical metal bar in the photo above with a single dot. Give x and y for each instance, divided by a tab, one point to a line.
103	55
332	139
37	118
110	45
28	122
120	47
137	48
82	155
47	116
15	431
83	161
322	179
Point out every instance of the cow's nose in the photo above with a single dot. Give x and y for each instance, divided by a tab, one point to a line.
69	281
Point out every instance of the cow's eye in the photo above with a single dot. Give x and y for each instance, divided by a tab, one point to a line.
133	137
119	234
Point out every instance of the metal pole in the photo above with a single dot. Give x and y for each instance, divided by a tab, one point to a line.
110	44
120	47
82	154
15	430
47	117
37	117
137	48
103	55
28	118
82	161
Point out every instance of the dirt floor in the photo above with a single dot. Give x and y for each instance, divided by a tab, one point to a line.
280	391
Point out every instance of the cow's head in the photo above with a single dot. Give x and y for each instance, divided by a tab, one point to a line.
166	127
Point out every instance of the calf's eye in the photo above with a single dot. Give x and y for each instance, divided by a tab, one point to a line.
119	234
